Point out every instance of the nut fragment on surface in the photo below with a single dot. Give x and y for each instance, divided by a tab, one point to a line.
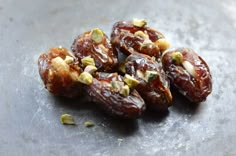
117	85
88	61
85	78
163	44
69	59
67	119
125	90
150	75
177	57
90	69
141	34
139	22
60	65
97	35
130	81
190	68
89	124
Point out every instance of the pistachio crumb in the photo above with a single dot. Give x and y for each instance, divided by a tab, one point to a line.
125	90
85	78
97	35
67	119
139	22
163	44
90	69
88	61
89	124
177	57
150	75
130	81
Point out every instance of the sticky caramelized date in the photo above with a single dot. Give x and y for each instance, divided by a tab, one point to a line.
154	85
95	44
59	71
134	36
113	95
189	73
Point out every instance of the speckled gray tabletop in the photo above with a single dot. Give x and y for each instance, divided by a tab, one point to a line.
29	115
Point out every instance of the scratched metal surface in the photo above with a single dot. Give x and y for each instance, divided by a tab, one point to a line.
29	115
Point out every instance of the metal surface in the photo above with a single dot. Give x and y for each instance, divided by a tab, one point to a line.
29	115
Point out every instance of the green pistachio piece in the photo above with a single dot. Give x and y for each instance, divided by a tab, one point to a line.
150	75
122	67
139	22
90	69
89	124
88	61
97	35
163	44
69	59
117	85
177	57
130	81
141	34
85	78
67	119
125	90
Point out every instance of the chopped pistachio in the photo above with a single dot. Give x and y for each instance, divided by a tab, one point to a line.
117	85
130	81
189	67
125	90
122	67
97	35
89	124
150	75
88	61
90	69
177	57
141	34
140	74
139	22
60	65
69	59
67	119
163	44
85	78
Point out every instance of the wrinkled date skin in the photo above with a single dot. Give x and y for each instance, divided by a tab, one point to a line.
59	71
100	92
124	40
197	86
156	93
103	54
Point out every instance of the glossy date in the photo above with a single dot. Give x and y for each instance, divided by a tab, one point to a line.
59	70
154	85
110	92
189	73
128	37
95	44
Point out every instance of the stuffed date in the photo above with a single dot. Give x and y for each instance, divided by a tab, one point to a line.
128	37
60	71
154	85
115	95
95	44
189	73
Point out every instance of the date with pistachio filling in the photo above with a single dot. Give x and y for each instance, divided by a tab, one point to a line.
93	48
59	70
111	93
135	36
153	84
189	73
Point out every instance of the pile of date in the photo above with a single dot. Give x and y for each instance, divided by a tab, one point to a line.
125	86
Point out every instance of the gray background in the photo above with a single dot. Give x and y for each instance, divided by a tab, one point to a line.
29	115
